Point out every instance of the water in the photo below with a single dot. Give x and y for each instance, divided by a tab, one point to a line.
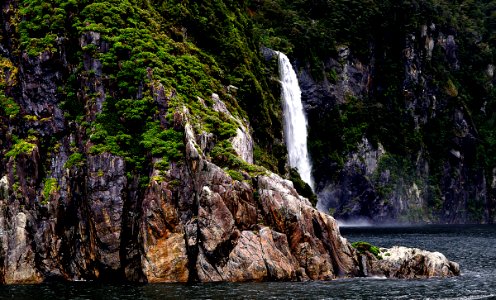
295	121
471	246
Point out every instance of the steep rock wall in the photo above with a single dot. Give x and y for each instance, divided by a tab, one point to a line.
194	223
423	176
123	157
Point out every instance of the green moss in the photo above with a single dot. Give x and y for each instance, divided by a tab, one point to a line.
274	160
400	168
50	187
235	175
450	89
367	247
8	107
22	147
302	187
75	159
8	78
332	76
224	155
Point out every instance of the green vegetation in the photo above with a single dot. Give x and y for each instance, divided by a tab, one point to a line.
391	112
165	143
224	155
50	187
227	36
367	247
399	169
345	126
147	48
21	146
8	106
74	160
302	187
235	175
8	78
129	67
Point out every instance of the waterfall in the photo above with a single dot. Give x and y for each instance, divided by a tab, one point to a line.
295	121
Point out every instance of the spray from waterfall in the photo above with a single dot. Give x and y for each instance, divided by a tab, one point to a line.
295	121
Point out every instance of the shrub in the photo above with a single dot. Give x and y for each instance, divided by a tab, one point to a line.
75	159
50	187
9	107
21	147
302	187
367	247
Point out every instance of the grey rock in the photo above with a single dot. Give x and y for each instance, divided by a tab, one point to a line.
402	262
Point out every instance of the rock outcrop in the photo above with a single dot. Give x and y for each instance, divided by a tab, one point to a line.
402	262
195	223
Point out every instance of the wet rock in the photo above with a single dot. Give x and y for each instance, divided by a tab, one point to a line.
403	262
353	195
245	261
344	77
313	237
106	183
166	260
19	254
351	186
4	187
243	144
214	219
280	263
165	257
195	223
449	45
190	222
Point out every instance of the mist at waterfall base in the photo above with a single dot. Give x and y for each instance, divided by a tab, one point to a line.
471	246
295	122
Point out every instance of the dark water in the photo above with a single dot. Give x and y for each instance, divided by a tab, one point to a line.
471	246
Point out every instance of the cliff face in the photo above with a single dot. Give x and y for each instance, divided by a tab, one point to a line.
126	156
400	103
439	181
193	223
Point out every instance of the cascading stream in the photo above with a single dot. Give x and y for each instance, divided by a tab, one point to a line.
295	121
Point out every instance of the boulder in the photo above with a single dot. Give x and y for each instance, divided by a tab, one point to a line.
408	263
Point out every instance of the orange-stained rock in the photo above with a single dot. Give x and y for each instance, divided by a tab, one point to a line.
313	236
167	260
245	261
280	263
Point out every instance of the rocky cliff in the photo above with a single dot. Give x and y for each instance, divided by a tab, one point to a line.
400	103
434	181
193	223
128	137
